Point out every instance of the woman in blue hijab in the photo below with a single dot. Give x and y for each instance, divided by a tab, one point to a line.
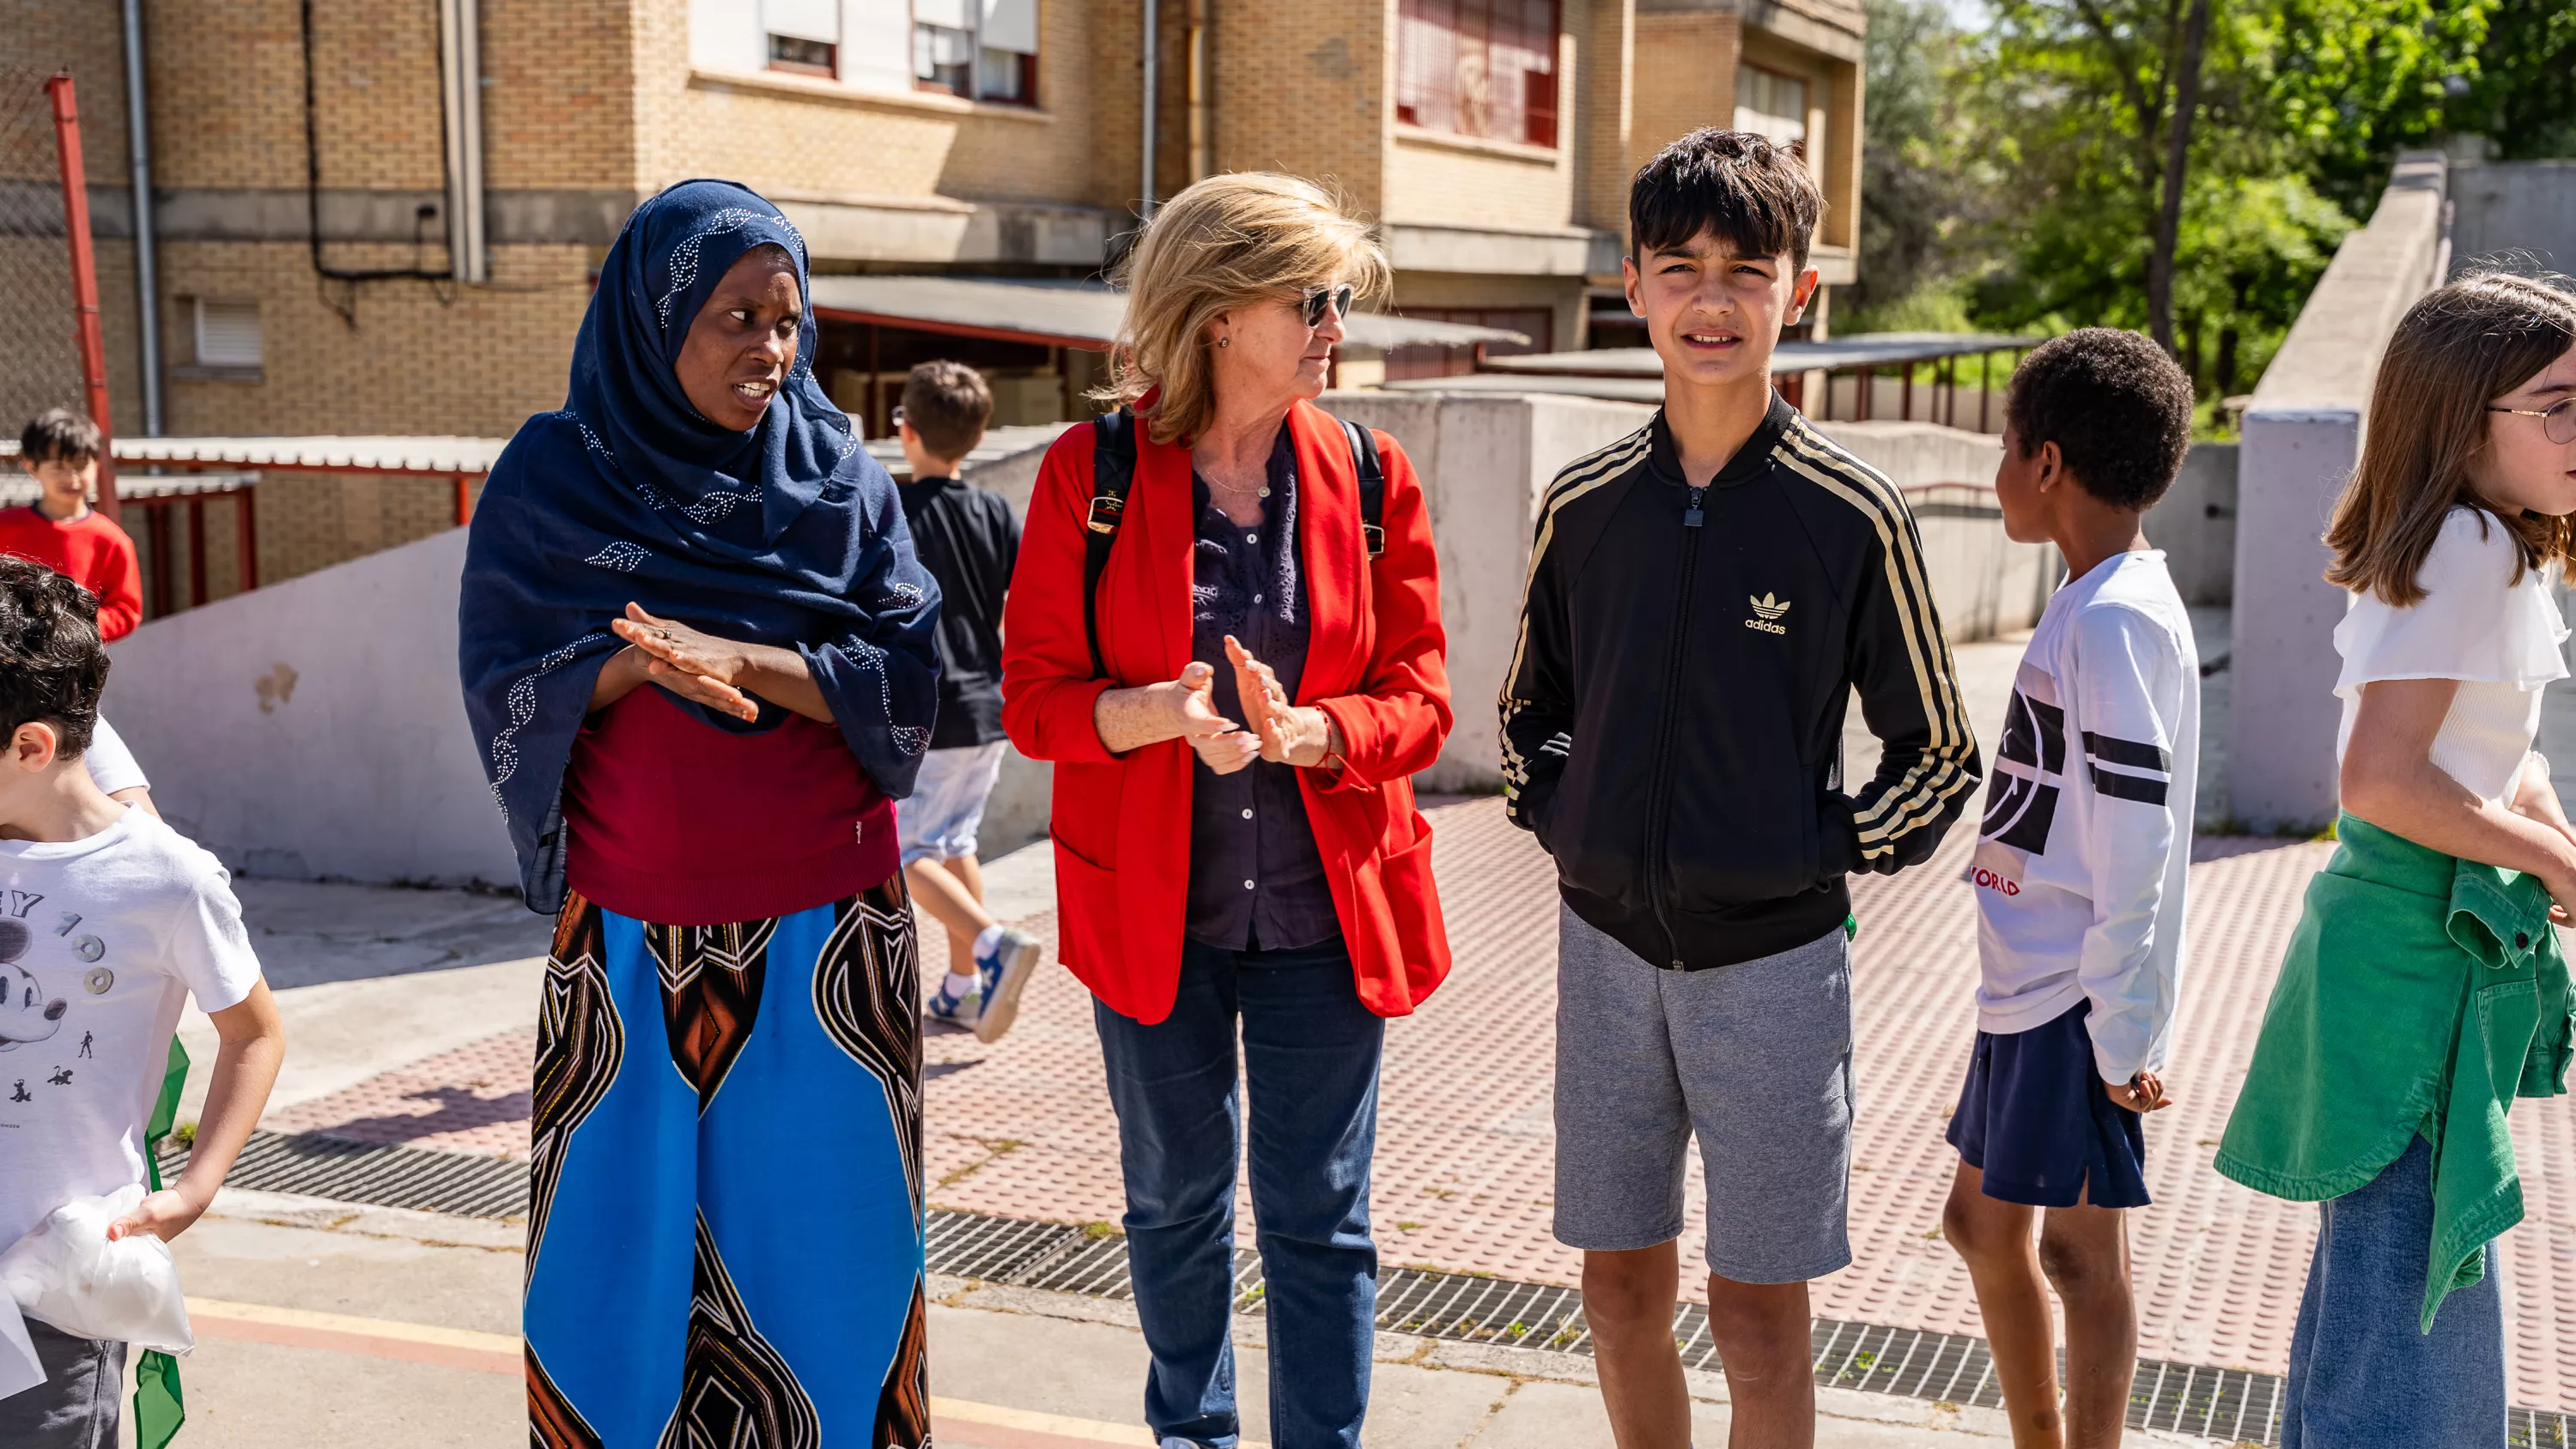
697	655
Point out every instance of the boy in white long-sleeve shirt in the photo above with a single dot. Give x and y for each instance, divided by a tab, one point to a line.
2079	876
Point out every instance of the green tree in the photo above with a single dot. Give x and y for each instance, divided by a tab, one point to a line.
2342	85
2523	96
1920	184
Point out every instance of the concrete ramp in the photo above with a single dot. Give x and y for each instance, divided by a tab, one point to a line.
313	730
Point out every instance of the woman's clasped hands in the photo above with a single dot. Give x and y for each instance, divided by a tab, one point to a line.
1185	709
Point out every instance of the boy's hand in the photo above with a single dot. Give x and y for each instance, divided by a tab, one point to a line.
164	1215
2142	1093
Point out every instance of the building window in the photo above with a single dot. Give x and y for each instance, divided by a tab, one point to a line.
804	36
1478	68
227	334
986	50
1772	106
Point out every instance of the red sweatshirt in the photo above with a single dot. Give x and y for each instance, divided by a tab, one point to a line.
91	552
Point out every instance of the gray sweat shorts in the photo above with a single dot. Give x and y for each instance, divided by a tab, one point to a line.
1754	1058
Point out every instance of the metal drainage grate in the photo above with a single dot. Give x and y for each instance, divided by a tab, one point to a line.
373	1174
2226	1405
2230	1406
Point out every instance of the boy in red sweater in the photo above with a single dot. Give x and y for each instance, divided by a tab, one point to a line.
61	531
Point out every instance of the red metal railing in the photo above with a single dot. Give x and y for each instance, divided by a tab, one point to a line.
93	344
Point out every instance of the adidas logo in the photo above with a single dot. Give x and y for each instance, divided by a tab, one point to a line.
1767	610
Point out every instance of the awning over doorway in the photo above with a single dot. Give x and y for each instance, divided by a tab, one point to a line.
1064	313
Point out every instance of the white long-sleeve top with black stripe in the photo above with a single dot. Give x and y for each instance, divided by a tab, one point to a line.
2083	856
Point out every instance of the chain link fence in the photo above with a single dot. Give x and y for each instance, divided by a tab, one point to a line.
40	365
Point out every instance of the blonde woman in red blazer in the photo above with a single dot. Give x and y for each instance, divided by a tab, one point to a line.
1236	845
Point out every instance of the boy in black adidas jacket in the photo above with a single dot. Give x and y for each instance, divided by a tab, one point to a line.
1704	596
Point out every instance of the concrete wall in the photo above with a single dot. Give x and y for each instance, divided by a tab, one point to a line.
2302	437
2508	207
2195	524
1485	462
313	729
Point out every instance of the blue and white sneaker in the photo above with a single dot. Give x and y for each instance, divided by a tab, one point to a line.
963	1012
1005	968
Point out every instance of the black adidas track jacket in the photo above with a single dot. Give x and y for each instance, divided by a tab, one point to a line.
1672	721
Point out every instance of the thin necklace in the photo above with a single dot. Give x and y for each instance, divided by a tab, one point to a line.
1234	491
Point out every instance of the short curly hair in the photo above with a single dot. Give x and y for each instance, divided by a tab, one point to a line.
52	666
2116	406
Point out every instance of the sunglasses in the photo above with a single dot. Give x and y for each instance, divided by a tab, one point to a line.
2557	421
1312	301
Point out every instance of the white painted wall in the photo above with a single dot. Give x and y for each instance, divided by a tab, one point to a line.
313	729
2302	438
1485	461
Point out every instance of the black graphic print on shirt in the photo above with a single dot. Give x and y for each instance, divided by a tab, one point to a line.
2030	765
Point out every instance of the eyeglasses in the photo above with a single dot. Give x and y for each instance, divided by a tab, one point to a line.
2557	421
1314	300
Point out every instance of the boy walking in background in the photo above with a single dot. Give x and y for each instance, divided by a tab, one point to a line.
1704	596
115	919
61	531
2079	877
969	541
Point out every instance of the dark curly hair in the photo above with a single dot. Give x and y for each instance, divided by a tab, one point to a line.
1757	197
52	666
2116	406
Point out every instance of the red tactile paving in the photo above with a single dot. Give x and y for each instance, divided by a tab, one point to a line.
473	1099
1465	1137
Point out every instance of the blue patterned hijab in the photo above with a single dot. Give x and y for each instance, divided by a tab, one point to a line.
788	535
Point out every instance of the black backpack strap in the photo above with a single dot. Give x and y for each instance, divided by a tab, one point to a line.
1113	472
1372	486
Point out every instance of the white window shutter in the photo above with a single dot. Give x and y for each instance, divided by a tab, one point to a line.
1011	25
947	14
227	334
804	19
876	45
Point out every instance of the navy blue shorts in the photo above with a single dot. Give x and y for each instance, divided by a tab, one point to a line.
2034	1119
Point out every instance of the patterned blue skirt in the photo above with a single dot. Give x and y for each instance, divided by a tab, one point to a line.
724	1232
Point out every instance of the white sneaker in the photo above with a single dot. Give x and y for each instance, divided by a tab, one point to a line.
1005	971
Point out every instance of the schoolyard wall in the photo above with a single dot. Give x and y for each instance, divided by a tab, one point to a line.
314	729
2302	437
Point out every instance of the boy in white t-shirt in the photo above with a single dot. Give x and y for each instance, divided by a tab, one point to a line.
2079	876
109	920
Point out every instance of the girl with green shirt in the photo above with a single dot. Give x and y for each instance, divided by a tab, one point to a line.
2424	988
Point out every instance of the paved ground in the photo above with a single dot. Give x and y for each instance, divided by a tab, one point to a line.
417	1031
322	1325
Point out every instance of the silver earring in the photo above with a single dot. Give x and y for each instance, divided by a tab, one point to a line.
1225	342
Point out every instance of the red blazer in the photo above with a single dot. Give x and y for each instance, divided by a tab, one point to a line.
1373	662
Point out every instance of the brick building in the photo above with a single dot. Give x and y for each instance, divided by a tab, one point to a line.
340	287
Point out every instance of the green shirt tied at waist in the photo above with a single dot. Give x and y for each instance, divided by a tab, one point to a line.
2421	994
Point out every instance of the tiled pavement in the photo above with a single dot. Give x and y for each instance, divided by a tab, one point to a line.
1023	1128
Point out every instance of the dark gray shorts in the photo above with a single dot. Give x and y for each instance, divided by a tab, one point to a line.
1754	1058
76	1406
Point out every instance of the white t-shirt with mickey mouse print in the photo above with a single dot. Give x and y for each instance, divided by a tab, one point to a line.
101	942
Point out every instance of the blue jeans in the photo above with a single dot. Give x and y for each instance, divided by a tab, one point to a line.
1310	1060
2361	1376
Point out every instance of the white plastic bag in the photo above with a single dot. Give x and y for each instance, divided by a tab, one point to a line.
67	1274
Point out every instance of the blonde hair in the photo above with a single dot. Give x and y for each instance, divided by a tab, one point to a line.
1226	242
2457	350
